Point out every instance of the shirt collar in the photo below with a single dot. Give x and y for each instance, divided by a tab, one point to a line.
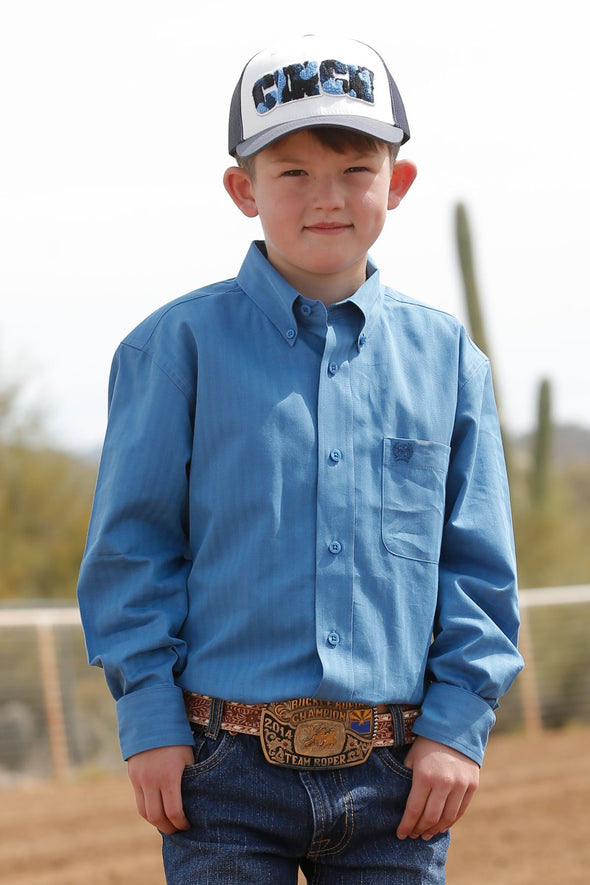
276	297
368	298
269	291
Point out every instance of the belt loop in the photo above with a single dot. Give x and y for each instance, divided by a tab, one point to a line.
215	714
399	726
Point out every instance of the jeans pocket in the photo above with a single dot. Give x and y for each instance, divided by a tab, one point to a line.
394	759
208	752
414	476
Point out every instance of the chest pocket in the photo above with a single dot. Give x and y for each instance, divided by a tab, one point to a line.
413	497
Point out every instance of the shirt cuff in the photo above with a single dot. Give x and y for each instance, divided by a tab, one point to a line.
457	718
153	717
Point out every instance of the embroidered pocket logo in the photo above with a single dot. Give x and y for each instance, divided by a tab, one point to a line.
403	451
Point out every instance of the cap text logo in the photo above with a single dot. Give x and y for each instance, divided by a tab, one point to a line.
310	79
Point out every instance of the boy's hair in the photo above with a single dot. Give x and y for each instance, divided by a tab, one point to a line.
338	140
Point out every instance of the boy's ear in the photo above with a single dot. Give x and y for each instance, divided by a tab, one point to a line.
239	186
404	173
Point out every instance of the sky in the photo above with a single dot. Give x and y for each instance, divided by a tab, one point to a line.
114	117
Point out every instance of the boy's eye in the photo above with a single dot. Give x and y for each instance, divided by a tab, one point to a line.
357	169
292	173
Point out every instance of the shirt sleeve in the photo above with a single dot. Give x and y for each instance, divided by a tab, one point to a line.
132	588
473	657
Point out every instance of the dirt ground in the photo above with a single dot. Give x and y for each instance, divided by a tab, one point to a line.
528	824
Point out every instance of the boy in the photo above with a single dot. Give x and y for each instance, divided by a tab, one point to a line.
299	575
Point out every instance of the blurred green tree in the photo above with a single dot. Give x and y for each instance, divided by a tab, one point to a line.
45	500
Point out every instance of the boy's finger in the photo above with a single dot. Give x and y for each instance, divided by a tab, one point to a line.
454	808
155	814
172	800
167	820
139	801
430	819
413	812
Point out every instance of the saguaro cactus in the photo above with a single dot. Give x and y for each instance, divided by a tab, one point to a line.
474	311
540	479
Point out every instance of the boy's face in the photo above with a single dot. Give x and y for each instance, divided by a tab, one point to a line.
321	211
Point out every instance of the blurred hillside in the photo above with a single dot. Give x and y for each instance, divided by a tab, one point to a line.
571	445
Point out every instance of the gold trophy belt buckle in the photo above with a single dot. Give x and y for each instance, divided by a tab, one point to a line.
316	735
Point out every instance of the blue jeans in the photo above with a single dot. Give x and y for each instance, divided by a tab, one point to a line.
253	822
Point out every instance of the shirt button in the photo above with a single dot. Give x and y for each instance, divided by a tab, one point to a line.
333	638
336	455
362	340
333	368
305	310
335	547
290	334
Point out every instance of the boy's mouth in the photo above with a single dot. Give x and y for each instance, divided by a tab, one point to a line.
328	227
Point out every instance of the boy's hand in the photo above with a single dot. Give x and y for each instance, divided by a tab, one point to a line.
443	786
155	775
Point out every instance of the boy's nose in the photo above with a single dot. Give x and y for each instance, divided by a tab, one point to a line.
327	194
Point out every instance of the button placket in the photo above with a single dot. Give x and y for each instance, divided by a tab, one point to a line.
335	489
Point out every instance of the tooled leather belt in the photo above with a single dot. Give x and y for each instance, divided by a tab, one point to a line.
309	734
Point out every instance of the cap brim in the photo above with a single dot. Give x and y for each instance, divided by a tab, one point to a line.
383	131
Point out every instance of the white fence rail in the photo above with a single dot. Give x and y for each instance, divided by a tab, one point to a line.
56	713
572	594
530	683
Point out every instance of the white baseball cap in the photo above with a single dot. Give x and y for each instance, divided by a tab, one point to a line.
314	81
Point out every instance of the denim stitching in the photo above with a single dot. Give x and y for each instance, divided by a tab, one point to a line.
393	765
315	850
215	716
309	781
348	815
213	761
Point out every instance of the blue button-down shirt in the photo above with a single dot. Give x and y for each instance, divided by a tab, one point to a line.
295	501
